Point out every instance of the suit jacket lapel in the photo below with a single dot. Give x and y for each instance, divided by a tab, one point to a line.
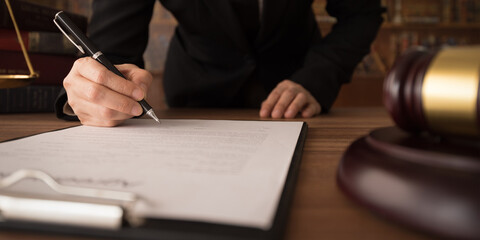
273	12
222	10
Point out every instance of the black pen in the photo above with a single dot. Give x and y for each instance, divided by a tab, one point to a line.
70	30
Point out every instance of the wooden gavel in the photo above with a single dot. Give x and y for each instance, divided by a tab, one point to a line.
436	91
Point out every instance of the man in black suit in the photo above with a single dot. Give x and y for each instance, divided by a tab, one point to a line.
224	53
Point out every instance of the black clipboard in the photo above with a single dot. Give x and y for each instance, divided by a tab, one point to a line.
177	229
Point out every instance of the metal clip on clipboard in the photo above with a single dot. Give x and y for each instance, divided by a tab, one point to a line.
106	210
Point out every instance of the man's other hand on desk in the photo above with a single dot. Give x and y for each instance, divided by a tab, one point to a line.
101	98
288	99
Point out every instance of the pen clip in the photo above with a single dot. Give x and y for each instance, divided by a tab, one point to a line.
66	35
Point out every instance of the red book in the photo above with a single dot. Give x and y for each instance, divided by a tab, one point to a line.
37	42
52	68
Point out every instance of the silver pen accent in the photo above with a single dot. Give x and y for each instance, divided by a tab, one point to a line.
152	115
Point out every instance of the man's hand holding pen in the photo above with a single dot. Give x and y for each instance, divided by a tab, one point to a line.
99	97
99	93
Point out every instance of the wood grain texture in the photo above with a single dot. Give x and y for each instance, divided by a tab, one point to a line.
319	209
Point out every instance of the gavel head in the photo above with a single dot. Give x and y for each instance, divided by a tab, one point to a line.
436	91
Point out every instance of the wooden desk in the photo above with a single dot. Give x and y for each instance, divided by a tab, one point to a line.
319	210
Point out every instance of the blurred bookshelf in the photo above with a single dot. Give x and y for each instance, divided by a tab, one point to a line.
50	54
432	24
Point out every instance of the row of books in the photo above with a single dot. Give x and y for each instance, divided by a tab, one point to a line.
418	11
432	11
51	55
399	43
378	62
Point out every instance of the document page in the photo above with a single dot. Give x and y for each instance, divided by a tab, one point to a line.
218	171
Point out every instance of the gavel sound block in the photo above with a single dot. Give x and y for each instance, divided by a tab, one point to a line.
424	173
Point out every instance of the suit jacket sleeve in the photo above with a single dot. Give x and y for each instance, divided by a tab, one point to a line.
330	61
120	30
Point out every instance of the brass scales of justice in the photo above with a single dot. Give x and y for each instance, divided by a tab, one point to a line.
8	80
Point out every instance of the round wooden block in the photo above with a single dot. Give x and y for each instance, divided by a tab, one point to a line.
427	183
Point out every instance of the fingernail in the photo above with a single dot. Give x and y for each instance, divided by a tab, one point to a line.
138	94
263	113
136	110
289	113
276	113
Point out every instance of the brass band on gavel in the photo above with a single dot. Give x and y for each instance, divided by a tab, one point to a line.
436	91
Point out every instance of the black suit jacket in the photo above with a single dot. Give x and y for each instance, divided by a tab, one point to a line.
210	62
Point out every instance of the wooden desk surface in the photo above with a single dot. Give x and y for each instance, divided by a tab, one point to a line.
319	209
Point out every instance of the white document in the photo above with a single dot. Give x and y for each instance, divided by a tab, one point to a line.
228	172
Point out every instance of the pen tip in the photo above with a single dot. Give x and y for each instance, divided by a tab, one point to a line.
152	115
